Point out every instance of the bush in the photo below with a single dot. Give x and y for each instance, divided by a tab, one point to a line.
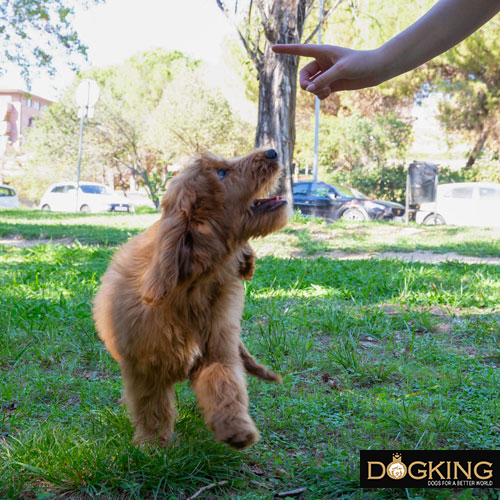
389	182
384	182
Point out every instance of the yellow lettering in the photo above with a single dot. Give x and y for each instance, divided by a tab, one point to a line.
421	471
435	469
488	471
467	474
370	470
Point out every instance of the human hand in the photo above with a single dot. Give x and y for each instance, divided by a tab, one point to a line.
336	68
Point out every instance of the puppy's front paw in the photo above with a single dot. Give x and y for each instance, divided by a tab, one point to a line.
237	431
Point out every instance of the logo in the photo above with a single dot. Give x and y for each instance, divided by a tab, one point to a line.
430	469
396	469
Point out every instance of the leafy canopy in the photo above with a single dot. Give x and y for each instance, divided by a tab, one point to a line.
36	33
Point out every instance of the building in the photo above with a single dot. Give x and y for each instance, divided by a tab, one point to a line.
17	110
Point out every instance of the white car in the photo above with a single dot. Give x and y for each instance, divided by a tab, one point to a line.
8	197
463	204
92	197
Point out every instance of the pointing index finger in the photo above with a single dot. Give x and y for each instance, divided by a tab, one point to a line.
298	49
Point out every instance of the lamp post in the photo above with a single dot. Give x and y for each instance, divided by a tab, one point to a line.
86	96
316	108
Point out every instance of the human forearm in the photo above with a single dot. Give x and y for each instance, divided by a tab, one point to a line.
339	68
446	24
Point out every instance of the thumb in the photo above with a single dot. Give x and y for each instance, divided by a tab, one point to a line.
324	80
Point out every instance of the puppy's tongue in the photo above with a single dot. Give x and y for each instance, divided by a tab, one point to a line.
268	204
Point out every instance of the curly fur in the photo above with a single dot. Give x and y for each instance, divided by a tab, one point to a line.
170	304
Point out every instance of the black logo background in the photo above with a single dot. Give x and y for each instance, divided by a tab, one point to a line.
436	456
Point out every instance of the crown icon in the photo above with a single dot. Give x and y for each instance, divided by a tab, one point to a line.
397	457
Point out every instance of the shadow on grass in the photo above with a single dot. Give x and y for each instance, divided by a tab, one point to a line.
84	233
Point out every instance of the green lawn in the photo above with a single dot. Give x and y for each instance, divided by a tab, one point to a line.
302	236
374	354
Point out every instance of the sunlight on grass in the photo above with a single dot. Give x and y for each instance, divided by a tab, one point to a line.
374	354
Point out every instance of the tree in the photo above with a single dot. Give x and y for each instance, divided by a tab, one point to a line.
276	22
35	33
144	121
192	117
469	76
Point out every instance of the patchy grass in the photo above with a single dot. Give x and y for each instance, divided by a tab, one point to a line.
103	229
374	354
303	237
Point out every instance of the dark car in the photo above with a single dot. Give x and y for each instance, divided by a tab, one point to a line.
334	201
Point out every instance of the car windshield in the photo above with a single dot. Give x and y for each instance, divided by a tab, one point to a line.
349	192
93	189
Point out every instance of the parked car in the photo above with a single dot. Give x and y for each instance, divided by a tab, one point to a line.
8	197
335	201
463	204
92	197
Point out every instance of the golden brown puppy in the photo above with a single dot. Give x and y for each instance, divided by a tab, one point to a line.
170	303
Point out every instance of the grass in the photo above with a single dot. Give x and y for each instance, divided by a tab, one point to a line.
374	354
302	237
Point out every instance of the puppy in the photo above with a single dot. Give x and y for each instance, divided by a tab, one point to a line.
170	304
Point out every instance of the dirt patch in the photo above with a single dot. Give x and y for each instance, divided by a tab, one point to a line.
415	256
424	256
18	241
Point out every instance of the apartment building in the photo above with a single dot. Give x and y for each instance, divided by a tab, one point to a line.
17	110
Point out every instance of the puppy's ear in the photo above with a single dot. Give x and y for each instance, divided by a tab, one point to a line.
192	236
163	272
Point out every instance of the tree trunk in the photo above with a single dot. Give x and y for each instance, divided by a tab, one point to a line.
483	135
282	21
276	118
278	85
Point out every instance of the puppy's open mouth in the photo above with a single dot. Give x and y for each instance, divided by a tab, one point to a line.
267	204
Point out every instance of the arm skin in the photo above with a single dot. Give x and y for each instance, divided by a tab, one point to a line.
442	27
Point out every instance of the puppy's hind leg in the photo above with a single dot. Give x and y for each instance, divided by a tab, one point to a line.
151	404
254	368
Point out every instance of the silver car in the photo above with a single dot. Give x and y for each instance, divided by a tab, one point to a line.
8	197
92	197
463	204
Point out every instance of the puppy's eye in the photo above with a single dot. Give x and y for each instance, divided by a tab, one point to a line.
222	173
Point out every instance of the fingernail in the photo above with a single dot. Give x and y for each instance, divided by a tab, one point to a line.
311	87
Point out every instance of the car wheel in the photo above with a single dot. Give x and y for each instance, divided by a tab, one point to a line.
434	220
85	208
354	214
46	207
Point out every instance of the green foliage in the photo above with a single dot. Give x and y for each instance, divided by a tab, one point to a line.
192	117
486	169
153	109
56	140
357	141
360	151
34	33
469	77
384	182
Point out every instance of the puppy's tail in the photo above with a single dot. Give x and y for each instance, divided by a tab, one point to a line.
256	369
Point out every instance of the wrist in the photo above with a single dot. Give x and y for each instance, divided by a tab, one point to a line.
385	66
391	60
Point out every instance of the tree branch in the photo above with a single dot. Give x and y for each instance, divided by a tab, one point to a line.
254	55
326	15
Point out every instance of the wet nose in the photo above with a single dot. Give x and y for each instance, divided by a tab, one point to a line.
271	154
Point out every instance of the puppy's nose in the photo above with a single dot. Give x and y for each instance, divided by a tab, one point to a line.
271	154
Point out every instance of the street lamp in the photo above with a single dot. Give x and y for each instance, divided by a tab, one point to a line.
86	96
316	108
